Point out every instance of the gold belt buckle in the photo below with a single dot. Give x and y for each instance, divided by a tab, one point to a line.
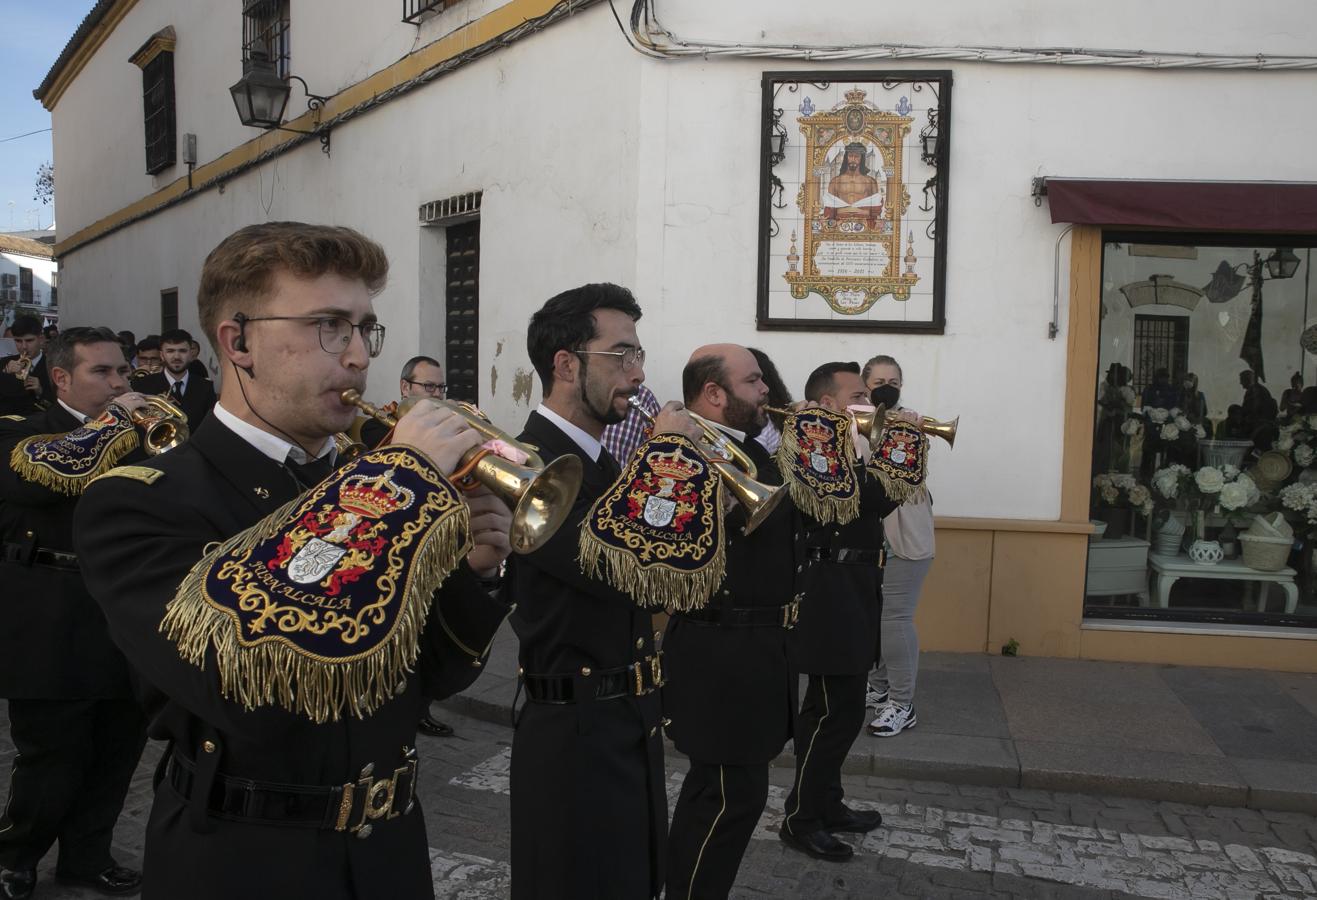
656	671
379	796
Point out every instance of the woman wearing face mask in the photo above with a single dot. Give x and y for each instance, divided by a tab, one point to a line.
909	534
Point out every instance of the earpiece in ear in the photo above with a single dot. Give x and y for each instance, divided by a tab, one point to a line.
241	343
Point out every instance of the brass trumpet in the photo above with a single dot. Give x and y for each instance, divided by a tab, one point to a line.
163	424
540	494
24	367
871	426
142	371
736	470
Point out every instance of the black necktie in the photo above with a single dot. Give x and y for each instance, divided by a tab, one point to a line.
177	390
608	465
310	473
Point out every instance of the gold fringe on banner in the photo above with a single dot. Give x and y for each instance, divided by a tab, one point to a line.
271	670
898	490
819	500
62	474
909	489
654	586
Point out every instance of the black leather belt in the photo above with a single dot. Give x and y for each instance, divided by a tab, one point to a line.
784	616
636	680
341	807
848	556
39	556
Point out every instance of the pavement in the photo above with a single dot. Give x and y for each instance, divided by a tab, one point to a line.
1202	736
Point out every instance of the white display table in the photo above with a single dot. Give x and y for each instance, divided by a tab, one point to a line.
1169	569
1117	568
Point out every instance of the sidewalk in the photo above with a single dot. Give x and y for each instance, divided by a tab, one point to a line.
1206	736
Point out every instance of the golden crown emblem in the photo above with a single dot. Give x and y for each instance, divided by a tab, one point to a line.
817	431
673	465
374	496
855	97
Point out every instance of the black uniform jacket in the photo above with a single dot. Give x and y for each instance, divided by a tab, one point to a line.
841	610
731	692
15	398
584	774
53	640
138	541
196	403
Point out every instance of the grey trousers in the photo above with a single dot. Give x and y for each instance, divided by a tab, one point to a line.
898	643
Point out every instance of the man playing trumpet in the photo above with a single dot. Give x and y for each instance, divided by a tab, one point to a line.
30	388
290	625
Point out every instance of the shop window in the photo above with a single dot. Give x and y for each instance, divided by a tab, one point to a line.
265	28
1205	441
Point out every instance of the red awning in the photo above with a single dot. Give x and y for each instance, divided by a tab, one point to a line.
1185	205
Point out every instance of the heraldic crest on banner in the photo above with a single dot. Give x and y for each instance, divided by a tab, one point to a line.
67	463
815	457
657	534
319	607
900	462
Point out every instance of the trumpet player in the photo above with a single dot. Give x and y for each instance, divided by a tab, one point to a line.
320	749
731	688
73	720
589	812
30	389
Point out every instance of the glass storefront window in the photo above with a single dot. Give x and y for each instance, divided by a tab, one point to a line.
1204	476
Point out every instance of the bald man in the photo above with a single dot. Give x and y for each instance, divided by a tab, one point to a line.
730	694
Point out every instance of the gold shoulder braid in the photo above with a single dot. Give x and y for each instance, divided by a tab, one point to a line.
137	473
657	533
13	418
67	463
319	607
815	457
900	462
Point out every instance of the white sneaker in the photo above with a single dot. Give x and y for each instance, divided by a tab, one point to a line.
893	719
875	698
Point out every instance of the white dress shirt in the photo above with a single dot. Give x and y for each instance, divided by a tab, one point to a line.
272	445
590	445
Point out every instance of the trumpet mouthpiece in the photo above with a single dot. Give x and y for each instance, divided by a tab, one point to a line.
350	397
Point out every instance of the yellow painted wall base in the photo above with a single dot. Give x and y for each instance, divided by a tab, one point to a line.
994	581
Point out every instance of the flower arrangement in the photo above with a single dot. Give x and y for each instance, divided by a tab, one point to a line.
1171	425
1206	488
1123	492
1300	498
1297	438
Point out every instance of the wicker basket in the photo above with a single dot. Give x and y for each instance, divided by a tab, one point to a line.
1266	554
1224	453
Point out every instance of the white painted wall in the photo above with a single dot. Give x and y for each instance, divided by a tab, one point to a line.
43	269
599	164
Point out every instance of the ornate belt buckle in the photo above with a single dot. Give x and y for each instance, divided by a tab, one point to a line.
379	796
791	613
656	671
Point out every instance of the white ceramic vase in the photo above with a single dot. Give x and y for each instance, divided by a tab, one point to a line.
1206	553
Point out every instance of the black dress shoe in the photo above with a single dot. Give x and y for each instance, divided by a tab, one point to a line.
856	821
433	727
818	844
116	881
17	884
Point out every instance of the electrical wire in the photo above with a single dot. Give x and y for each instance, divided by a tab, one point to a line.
29	134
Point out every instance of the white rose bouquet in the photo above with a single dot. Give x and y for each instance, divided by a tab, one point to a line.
1298	439
1123	491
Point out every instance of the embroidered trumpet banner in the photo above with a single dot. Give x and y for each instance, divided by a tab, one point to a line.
900	462
815	458
67	463
657	533
319	607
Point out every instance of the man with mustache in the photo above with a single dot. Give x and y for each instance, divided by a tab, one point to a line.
731	690
291	767
589	812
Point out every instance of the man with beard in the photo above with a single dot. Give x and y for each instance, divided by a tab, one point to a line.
589	813
195	396
731	691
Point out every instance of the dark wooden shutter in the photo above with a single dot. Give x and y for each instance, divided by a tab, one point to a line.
462	300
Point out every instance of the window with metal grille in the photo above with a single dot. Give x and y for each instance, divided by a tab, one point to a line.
158	111
265	28
24	285
168	310
462	303
1160	342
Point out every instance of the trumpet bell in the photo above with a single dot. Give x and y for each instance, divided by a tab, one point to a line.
944	430
163	424
540	500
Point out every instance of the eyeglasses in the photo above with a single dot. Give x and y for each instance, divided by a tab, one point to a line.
630	357
429	387
335	331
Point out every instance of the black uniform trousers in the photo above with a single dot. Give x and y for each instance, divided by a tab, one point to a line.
831	716
71	773
715	817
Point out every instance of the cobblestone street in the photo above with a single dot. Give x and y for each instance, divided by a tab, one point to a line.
938	840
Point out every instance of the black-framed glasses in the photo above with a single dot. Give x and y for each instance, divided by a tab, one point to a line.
432	388
335	331
630	357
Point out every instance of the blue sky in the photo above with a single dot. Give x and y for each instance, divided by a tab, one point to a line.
33	36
